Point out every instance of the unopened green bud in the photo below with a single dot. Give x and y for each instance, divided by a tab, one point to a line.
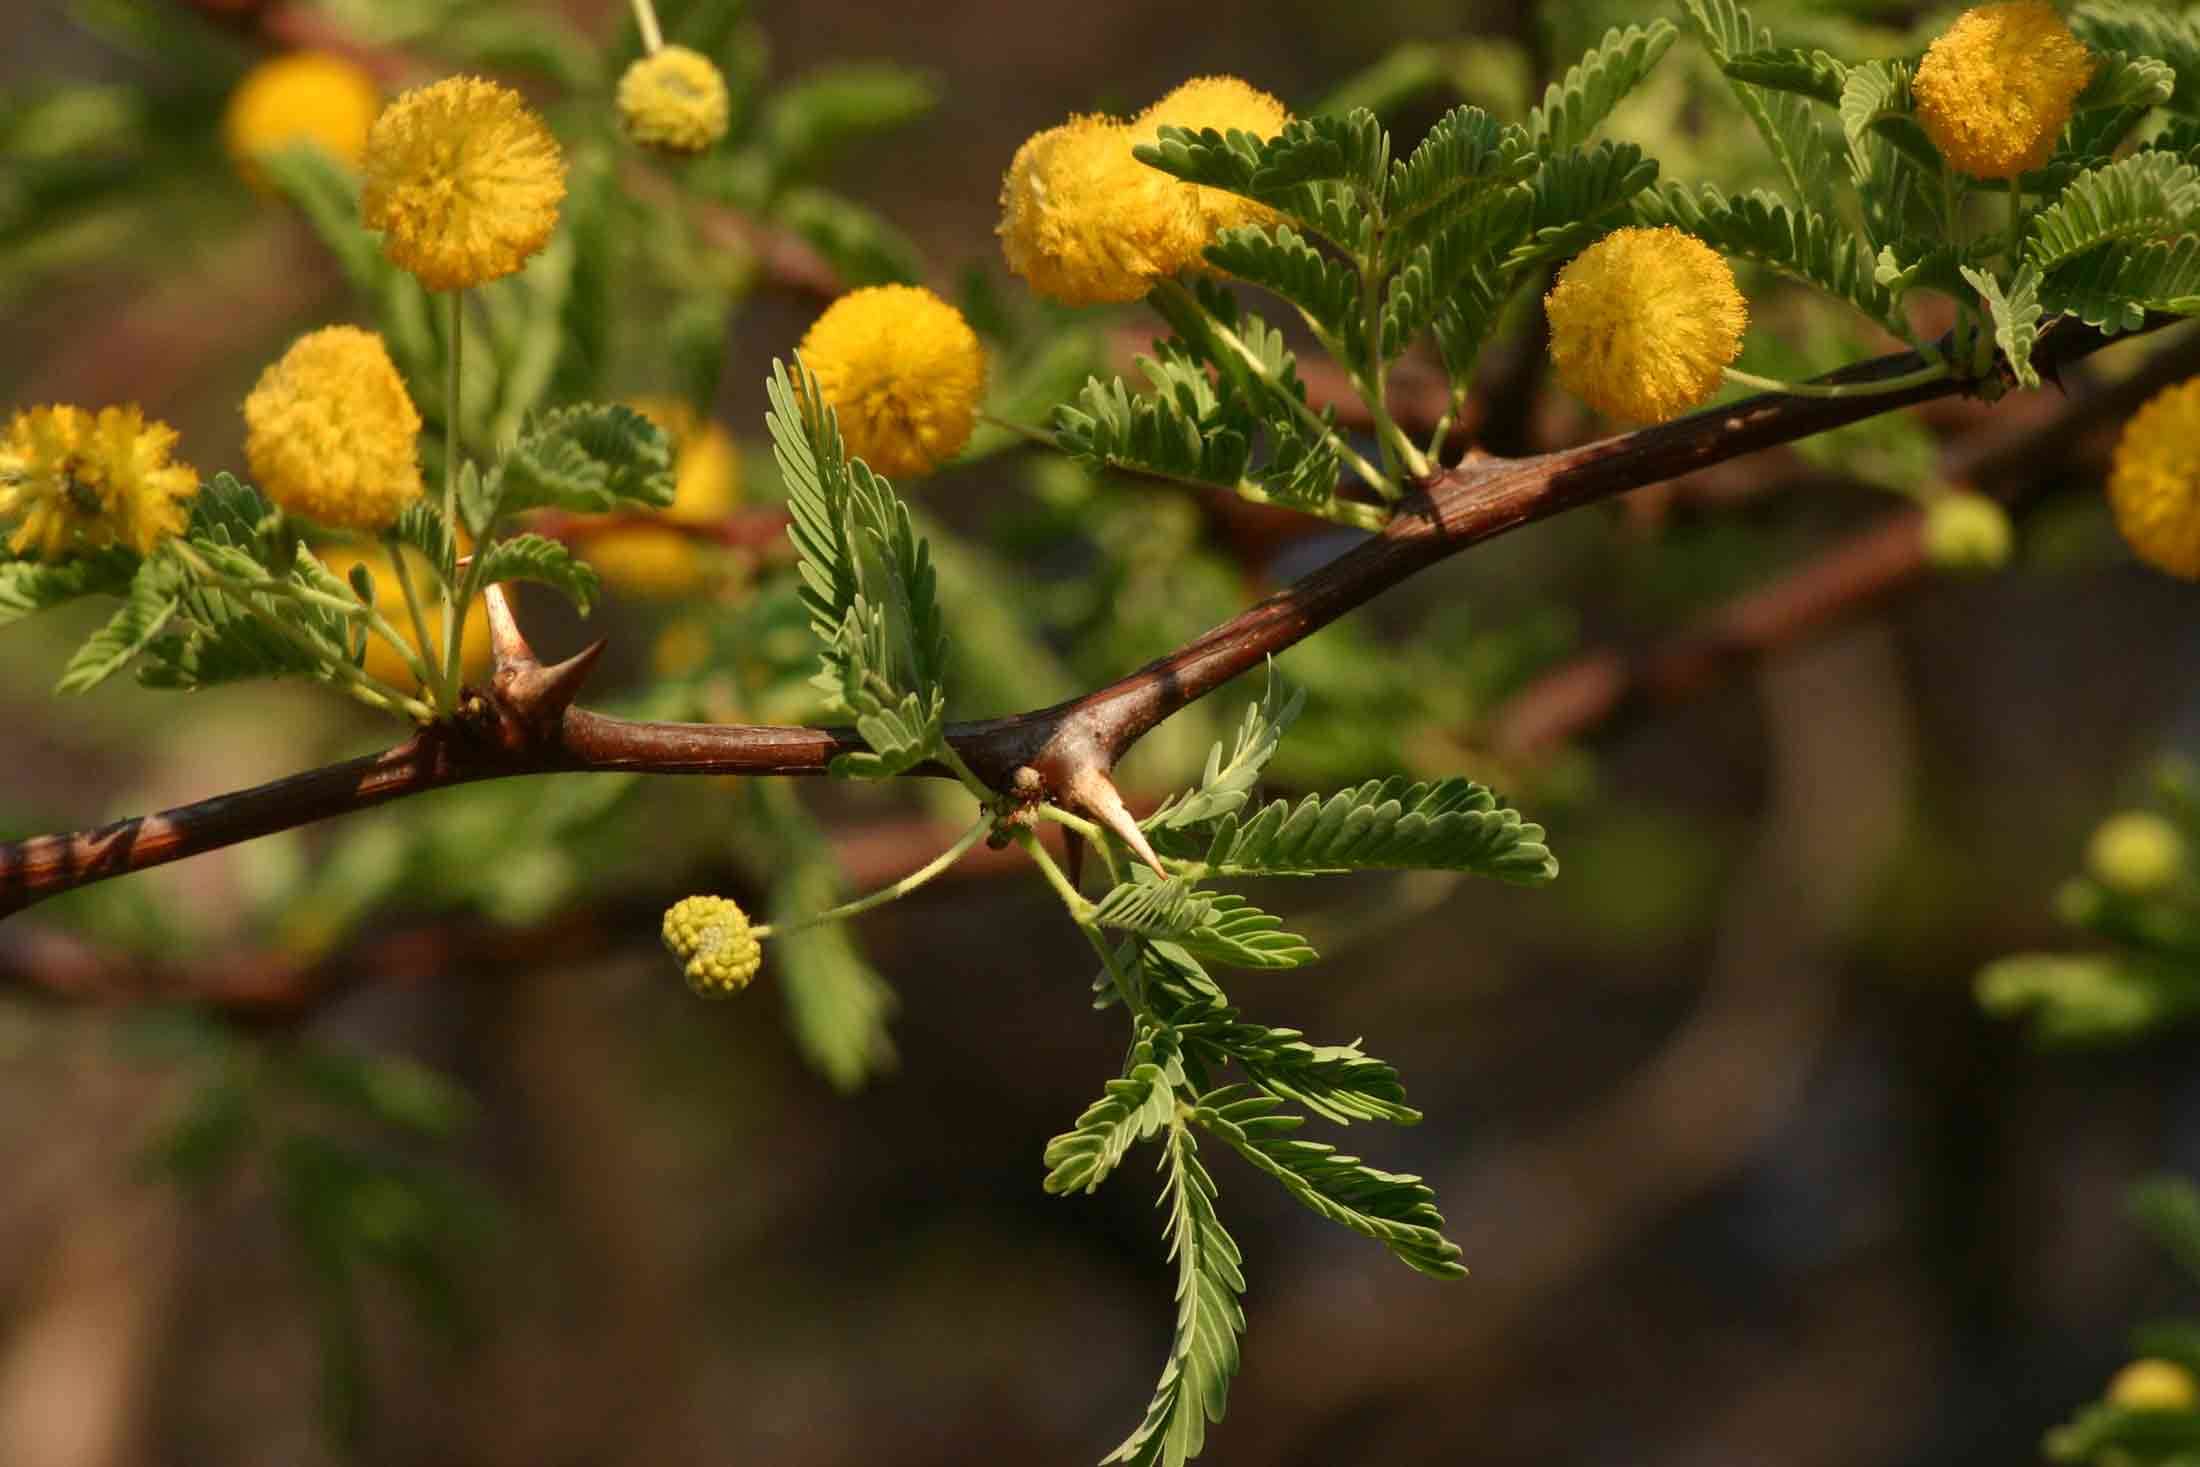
1966	532
710	936
2137	853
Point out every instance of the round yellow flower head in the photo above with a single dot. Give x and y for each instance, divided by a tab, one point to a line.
1994	92
2154	1385
331	433
2137	853
676	100
1643	323
2154	481
1085	223
304	97
386	662
1227	105
706	488
903	370
1966	532
75	481
711	938
463	181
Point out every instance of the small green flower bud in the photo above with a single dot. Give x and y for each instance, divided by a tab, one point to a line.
2137	853
2154	1385
710	936
1966	532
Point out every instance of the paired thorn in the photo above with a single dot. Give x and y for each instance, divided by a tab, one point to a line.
1091	791
527	692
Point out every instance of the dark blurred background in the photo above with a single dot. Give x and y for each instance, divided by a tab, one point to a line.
1742	1172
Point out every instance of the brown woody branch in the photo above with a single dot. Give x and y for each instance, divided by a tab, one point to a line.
496	736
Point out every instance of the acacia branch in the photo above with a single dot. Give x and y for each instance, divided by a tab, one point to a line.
498	735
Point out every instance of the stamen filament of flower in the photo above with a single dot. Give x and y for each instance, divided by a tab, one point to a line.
1879	387
879	898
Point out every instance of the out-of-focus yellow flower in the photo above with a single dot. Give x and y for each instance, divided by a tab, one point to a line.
711	937
75	481
331	433
1085	223
386	662
674	99
463	181
1225	104
1966	531
681	648
1644	322
2137	853
304	97
1995	90
903	370
706	488
2154	1385
2154	480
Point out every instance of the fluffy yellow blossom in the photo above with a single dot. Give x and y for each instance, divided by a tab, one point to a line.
1995	90
2137	853
1085	223
463	181
383	660
1225	104
304	97
2154	1385
711	938
75	481
1644	321
706	488
674	99
903	370
1965	531
331	434
2154	481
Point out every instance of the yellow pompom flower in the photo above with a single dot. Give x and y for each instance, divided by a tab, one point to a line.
903	370
674	99
2154	481
1085	223
1994	91
385	662
1643	323
710	936
331	433
2154	1385
75	481
1225	104
706	488
463	181
304	97
2137	853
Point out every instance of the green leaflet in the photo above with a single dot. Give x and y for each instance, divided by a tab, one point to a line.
1575	195
545	561
1112	427
1218	926
1226	783
1463	156
1453	825
31	586
867	584
2016	315
1326	289
1394	1209
1203	1351
588	458
1811	74
2148	195
1578	102
2114	288
1786	122
1796	241
2147	30
151	598
2087	998
1134	1109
